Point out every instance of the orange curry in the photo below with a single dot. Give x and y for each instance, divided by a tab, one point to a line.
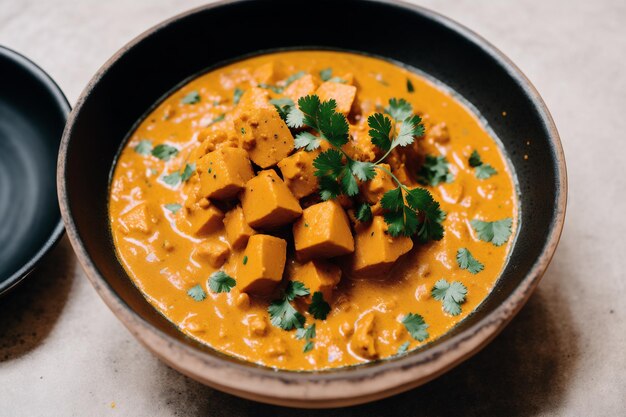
218	215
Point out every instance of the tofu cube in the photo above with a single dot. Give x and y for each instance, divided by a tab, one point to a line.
303	86
323	231
265	261
138	219
318	276
212	252
268	203
264	135
299	173
374	189
343	94
204	218
223	173
237	229
375	250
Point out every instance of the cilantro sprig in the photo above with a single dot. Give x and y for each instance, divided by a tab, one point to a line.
466	260
282	313
407	211
452	295
307	334
197	293
220	281
416	326
319	308
497	232
482	170
434	171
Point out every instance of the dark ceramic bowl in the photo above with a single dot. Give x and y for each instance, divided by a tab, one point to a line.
33	111
159	60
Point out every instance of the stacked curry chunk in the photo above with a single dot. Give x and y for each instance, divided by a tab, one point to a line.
251	180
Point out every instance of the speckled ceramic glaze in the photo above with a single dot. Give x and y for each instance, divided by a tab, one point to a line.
165	56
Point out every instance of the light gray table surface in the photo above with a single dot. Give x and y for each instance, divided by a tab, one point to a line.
63	353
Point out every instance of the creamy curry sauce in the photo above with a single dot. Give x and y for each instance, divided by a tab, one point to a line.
166	252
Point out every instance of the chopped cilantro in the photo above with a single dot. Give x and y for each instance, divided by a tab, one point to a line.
283	106
308	334
363	213
402	207
403	348
482	171
294	77
143	147
416	326
307	140
326	74
319	308
237	95
172	179
191	98
467	261
164	152
434	171
220	281
496	232
173	207
452	295
474	159
245	260
409	86
282	313
188	171
197	293
217	119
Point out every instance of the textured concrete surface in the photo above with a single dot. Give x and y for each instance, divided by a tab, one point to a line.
63	353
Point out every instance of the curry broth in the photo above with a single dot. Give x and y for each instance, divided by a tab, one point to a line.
162	259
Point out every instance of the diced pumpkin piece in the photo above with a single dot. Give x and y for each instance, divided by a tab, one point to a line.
213	252
301	87
343	94
253	98
224	172
139	219
374	189
264	135
299	173
265	261
323	231
268	203
318	275
375	250
237	229
264	74
204	218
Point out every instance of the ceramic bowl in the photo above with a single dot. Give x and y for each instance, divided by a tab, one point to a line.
159	60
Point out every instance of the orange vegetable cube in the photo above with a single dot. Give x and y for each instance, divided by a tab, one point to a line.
265	258
204	218
224	172
299	173
303	86
237	229
139	219
213	252
374	189
318	276
343	94
323	231
268	203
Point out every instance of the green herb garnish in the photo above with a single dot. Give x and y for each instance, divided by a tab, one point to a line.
220	281
197	293
467	261
173	207
363	213
188	171
482	171
319	308
434	171
283	106
245	260
403	348
191	98
164	152
237	95
326	74
416	326
497	232
409	86
282	313
172	179
217	119
308	334
143	147
452	295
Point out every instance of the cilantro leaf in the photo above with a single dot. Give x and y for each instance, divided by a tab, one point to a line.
410	128
274	88
326	74
172	179
399	109
143	147
295	118
467	261
319	308
434	171
283	315
191	98
197	293
380	129
349	186
164	152
416	326
188	171
364	171
474	159
332	125
173	207
329	188
485	171
328	164
308	334
307	140
220	281
237	95
409	86
309	107
432	216
364	213
403	348
295	289
294	77
451	294
283	106
497	232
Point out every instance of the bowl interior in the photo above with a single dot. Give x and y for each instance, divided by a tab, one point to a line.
142	74
32	117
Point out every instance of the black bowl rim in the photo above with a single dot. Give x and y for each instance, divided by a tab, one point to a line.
60	99
334	387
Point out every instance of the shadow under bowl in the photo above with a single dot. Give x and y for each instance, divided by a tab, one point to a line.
33	111
155	63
